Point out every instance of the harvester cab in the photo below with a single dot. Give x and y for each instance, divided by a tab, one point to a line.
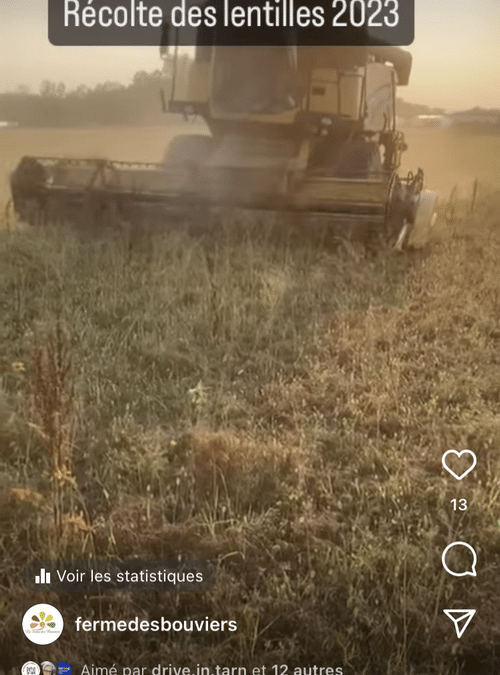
294	130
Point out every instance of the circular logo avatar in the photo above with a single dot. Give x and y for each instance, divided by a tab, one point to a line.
43	624
30	668
63	668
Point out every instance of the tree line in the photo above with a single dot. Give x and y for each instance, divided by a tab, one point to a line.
109	103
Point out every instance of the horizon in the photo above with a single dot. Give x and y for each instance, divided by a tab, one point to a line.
447	34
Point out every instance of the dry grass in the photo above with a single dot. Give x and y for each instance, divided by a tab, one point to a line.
280	411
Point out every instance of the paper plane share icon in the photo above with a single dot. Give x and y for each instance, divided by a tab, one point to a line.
461	618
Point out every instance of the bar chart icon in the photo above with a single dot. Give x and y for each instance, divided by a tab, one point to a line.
43	577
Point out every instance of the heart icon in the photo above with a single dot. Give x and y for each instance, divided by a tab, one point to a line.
459	454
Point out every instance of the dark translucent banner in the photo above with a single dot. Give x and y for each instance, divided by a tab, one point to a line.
232	22
133	576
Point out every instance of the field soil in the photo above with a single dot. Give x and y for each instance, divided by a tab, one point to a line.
452	158
279	408
447	157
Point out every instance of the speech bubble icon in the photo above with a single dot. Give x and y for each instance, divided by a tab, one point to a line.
472	572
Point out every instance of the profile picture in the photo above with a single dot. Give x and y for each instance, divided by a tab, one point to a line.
48	668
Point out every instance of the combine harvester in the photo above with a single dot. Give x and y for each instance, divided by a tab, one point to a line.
294	130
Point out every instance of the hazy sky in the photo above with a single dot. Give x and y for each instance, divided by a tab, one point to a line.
456	53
